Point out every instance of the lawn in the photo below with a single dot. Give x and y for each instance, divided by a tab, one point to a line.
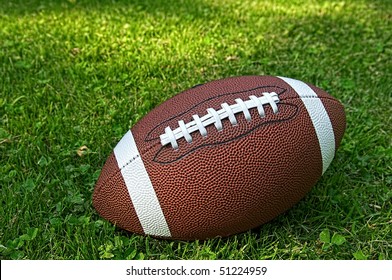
75	75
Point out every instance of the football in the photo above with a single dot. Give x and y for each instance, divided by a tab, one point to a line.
220	158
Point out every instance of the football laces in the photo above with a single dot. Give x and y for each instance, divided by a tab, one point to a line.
215	117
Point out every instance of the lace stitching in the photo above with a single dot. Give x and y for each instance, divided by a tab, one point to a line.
215	117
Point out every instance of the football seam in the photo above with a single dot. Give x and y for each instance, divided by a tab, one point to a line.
291	98
130	161
224	142
148	139
151	147
113	175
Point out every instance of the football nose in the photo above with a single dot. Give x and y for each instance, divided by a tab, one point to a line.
111	198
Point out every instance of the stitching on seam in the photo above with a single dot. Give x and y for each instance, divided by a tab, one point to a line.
119	171
282	91
129	161
158	144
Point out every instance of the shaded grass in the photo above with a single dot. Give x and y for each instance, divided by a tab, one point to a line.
80	73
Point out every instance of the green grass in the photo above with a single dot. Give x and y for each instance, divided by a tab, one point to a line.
80	73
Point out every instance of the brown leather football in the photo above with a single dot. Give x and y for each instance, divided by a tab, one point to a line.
220	158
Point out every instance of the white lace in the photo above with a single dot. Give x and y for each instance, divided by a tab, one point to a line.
216	117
